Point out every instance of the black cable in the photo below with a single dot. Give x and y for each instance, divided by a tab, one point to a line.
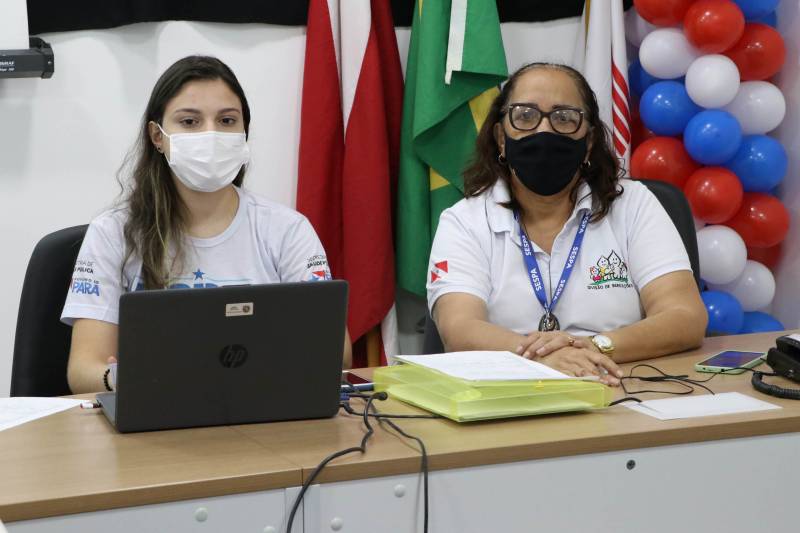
424	461
625	399
655	379
683	380
362	448
349	409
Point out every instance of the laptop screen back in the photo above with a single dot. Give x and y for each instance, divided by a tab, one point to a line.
230	355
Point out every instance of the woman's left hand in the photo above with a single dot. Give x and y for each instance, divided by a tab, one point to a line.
541	343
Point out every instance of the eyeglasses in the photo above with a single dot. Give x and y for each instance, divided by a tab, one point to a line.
527	117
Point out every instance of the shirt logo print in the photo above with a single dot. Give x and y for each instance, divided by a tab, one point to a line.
609	271
439	270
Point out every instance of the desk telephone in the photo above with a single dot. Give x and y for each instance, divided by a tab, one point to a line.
784	359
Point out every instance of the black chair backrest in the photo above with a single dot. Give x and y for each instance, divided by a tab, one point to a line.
41	345
678	209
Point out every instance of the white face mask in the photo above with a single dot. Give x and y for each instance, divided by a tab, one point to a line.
207	161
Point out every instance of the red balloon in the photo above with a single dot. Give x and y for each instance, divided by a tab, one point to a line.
760	52
662	12
766	256
762	220
715	194
662	158
713	26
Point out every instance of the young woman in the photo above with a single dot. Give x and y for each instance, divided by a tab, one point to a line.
185	221
551	255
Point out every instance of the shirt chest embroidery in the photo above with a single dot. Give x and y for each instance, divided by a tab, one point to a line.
609	272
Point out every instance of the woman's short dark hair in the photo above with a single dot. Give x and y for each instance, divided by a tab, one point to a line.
601	174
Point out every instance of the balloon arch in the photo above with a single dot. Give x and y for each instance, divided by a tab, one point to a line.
705	105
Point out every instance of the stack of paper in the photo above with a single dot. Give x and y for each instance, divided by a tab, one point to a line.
701	405
18	410
486	366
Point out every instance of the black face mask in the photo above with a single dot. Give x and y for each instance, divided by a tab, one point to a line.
545	162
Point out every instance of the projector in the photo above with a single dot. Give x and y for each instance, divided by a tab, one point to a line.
35	62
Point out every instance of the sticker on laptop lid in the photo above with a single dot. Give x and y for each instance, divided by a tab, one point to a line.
241	309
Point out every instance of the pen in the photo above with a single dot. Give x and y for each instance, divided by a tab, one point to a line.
90	405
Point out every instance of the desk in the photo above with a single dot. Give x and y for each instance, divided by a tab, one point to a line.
606	470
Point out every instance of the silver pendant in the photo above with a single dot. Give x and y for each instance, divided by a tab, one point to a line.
549	322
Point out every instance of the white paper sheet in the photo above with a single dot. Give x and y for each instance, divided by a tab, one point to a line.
726	403
485	366
13	25
16	411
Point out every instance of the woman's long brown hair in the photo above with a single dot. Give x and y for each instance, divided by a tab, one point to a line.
156	214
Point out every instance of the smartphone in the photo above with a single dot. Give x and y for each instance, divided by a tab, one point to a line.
724	361
351	382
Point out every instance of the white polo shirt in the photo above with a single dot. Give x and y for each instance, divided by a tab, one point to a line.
477	250
265	243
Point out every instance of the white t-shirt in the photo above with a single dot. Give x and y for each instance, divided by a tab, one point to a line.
265	243
477	250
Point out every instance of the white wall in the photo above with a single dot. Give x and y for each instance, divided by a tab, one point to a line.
786	305
62	140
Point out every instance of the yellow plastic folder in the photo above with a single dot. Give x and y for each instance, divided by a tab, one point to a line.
466	400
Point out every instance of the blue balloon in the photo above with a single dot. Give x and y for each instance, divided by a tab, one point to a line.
776	192
760	163
758	322
725	313
770	19
638	78
712	137
754	9
666	108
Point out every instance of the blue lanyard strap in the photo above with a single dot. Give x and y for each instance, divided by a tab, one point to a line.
533	267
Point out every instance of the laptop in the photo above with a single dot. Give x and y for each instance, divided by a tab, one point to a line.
228	355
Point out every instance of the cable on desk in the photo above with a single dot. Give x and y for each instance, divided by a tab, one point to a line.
662	377
375	414
361	448
683	380
625	399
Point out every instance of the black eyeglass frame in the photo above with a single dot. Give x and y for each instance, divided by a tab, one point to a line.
542	114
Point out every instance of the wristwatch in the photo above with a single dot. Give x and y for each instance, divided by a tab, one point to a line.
604	344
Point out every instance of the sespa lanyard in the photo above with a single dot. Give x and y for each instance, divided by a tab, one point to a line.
549	322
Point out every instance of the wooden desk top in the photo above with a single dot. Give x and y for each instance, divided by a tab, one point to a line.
75	462
454	445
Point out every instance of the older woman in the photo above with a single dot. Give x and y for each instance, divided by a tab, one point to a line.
550	254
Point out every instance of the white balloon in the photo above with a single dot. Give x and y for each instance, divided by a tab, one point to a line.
759	107
636	28
723	254
665	53
754	288
712	80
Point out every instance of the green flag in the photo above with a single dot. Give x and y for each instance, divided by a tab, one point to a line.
455	63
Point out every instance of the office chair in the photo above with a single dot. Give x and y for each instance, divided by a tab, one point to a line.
676	206
42	341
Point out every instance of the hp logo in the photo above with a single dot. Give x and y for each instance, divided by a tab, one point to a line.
233	355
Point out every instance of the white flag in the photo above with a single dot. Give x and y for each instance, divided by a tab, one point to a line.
601	57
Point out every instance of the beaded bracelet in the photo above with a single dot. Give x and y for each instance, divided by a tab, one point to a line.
105	379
